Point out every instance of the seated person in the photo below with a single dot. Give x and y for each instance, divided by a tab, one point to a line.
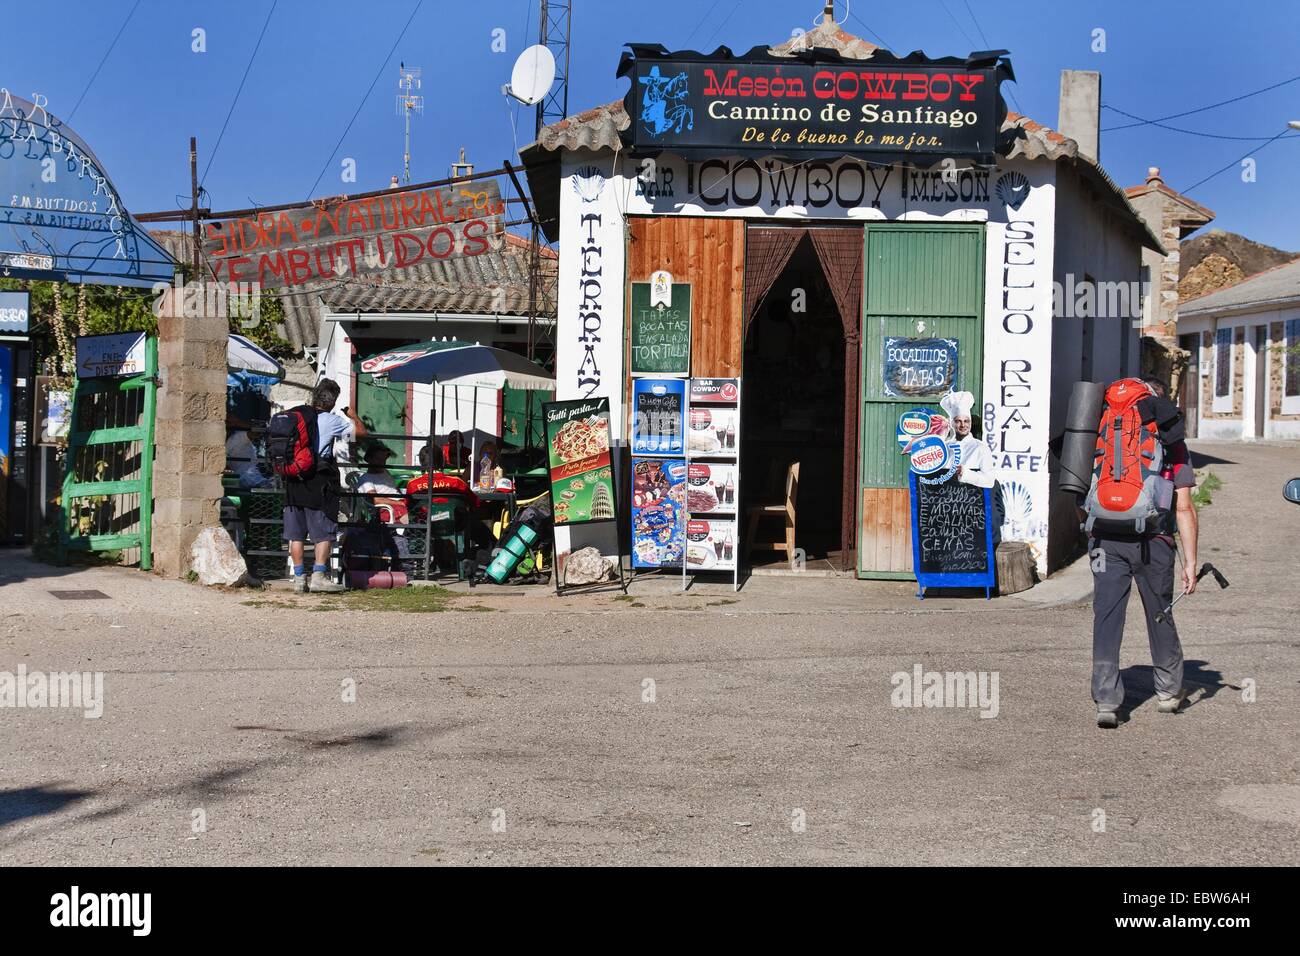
418	486
456	453
377	480
241	459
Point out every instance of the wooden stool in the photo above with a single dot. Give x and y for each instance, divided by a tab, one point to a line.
780	509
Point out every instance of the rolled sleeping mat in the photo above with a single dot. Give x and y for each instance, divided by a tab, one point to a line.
398	579
1079	443
381	579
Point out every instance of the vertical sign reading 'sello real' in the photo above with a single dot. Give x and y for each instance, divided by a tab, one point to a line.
577	446
661	334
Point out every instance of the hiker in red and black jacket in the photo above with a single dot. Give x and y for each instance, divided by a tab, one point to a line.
311	503
1118	559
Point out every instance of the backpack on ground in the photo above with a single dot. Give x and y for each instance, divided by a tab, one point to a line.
1128	494
291	442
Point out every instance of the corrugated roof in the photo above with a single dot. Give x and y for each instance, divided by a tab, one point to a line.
1270	288
494	282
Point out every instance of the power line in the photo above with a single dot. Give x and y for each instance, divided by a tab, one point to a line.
725	21
1235	162
701	23
957	24
888	46
987	44
1202	109
230	112
1189	132
1011	93
91	82
378	73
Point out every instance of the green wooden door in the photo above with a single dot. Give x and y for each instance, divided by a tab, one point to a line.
921	281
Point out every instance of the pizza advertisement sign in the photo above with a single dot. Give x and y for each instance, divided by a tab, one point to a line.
578	456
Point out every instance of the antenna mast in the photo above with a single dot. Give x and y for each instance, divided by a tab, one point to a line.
408	81
555	24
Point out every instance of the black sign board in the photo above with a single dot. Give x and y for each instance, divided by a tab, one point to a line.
815	104
952	537
912	366
661	335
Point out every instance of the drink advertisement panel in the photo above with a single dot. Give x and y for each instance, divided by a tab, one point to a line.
713	432
712	487
658	512
577	445
711	544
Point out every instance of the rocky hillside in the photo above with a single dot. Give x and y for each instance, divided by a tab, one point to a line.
1218	258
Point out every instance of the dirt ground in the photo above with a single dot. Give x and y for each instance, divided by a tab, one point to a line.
708	727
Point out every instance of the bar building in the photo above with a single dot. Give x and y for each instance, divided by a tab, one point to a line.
894	209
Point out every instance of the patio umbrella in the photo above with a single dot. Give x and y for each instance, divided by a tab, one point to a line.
479	366
243	356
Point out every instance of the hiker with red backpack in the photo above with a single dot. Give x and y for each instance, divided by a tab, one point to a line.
1141	495
300	446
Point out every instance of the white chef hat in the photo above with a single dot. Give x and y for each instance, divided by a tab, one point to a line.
958	404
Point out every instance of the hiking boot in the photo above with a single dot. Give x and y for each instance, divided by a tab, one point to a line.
321	584
300	584
1170	705
1107	719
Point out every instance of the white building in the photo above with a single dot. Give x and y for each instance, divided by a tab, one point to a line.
969	251
1245	343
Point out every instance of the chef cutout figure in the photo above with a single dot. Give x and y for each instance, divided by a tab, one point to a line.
976	465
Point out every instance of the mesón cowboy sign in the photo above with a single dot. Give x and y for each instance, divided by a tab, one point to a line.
338	239
816	103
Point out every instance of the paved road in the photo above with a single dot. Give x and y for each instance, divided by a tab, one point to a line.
533	717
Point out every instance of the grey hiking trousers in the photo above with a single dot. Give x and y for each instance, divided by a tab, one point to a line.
1115	565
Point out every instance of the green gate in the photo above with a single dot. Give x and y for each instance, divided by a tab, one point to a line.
922	280
107	502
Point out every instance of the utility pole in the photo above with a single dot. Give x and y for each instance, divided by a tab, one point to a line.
408	80
195	276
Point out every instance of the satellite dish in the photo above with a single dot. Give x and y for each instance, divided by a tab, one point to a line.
533	75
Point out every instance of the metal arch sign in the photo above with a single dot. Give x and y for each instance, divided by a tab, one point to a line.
60	216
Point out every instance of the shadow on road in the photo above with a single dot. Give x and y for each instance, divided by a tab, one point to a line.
23	802
20	804
1139	684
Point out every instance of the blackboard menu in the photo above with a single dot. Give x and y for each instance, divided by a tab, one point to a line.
661	335
950	521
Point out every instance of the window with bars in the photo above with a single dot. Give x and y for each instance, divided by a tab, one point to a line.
1222	363
1291	359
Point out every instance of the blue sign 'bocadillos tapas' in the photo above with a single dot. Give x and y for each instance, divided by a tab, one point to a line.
60	216
814	103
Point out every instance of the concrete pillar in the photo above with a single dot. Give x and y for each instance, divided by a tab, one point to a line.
1080	116
189	432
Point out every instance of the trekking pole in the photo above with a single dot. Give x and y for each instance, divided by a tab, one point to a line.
1206	568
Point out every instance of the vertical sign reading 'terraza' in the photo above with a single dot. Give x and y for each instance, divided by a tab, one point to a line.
661	334
577	446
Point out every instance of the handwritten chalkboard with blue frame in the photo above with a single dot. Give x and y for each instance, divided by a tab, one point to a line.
952	536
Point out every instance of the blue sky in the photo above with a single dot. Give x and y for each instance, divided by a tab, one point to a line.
318	58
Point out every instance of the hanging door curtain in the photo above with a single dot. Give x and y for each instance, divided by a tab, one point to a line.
839	250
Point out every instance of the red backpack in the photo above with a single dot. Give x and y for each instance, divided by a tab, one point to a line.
1128	493
292	438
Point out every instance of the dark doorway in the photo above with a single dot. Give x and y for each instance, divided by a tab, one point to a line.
1189	386
794	411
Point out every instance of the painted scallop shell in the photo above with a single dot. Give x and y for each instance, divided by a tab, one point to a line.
1013	189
